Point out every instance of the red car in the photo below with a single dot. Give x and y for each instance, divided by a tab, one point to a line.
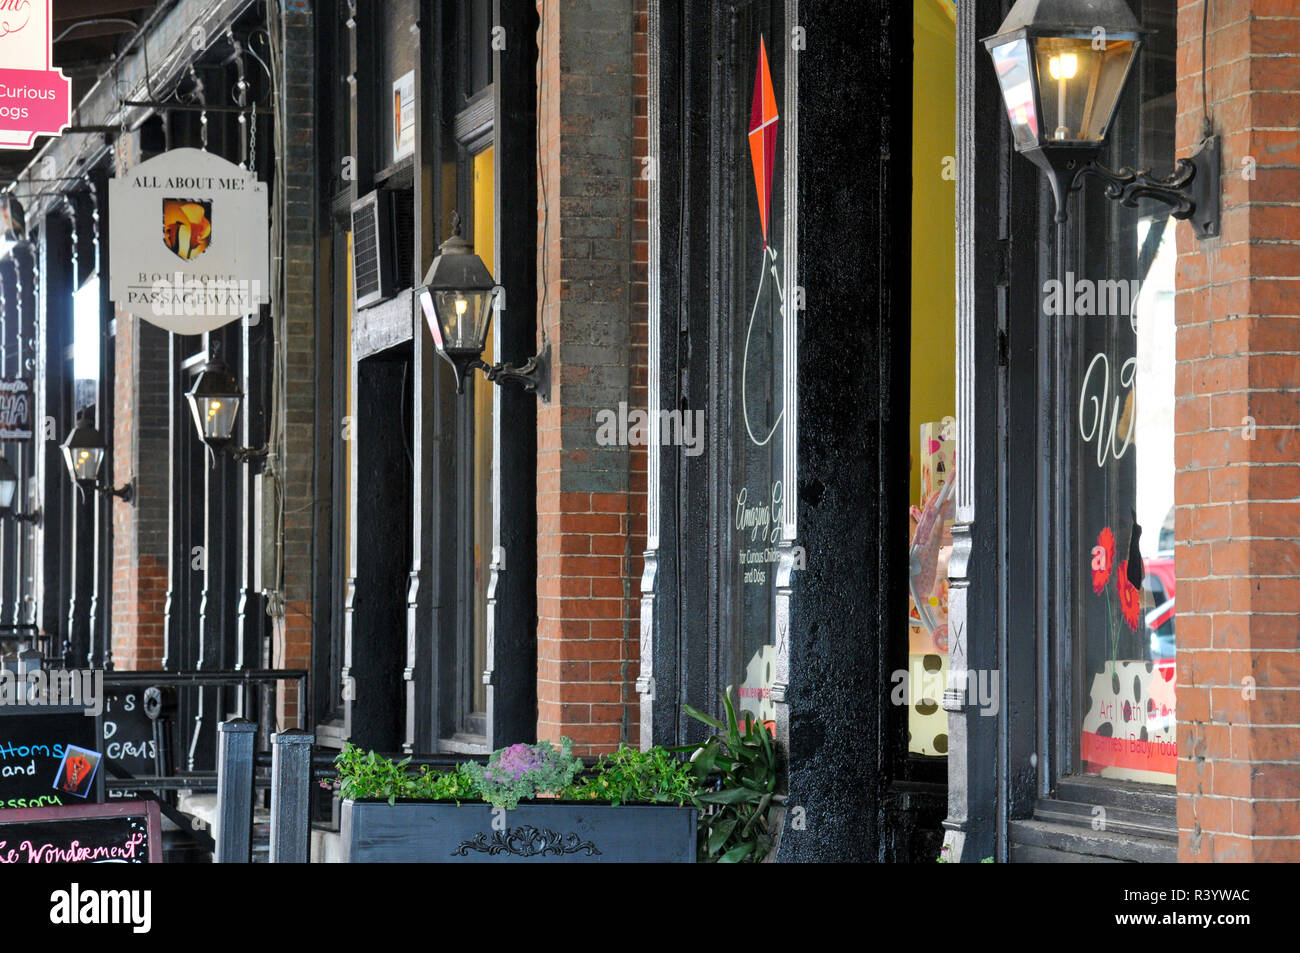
1160	582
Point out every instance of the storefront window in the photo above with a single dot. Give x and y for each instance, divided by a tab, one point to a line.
86	338
1117	302
933	375
484	402
754	432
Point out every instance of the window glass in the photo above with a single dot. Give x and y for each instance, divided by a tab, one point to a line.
484	408
346	443
86	342
753	432
1117	302
933	372
480	38
1011	60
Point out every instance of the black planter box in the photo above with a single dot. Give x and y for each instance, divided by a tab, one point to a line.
535	832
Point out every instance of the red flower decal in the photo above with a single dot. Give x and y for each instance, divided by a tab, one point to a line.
1103	558
1130	600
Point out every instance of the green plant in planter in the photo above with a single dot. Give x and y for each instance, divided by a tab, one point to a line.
458	785
364	774
524	771
368	775
631	776
736	772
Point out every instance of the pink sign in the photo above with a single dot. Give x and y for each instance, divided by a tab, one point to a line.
35	100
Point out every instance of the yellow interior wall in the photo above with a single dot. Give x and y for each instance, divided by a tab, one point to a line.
934	116
484	239
484	236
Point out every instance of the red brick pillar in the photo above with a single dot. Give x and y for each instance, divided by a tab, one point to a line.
141	426
591	262
1238	456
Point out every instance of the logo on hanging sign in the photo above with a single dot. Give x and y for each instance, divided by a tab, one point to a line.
187	227
35	99
189	241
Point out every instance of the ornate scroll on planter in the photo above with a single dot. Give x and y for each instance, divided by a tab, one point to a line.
526	841
533	833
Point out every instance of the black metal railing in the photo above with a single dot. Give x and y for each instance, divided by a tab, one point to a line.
255	690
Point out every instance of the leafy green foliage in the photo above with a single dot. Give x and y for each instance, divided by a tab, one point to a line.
736	772
946	858
525	771
627	776
368	775
631	776
458	785
731	780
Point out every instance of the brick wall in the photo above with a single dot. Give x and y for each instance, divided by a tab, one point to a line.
291	647
591	266
141	452
639	337
1238	487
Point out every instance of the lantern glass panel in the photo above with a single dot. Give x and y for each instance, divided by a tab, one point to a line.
214	415
1079	87
1011	60
8	487
83	462
465	317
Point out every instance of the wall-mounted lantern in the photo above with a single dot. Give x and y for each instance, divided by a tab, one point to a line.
1062	65
83	453
214	401
458	298
8	490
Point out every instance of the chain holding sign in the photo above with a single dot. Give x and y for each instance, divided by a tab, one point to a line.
189	241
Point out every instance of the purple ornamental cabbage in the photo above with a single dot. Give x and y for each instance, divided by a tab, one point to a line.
515	762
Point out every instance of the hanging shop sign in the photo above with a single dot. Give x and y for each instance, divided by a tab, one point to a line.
15	409
188	241
35	100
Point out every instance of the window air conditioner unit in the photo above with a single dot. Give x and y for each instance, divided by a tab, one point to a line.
374	246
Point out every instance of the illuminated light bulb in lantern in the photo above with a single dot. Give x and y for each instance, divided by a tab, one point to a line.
1065	66
462	305
1062	68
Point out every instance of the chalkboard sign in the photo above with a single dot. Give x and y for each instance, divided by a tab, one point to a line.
35	743
129	734
126	832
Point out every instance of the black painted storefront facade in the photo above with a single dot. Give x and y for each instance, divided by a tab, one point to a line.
1017	790
838	586
1011	787
394	658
